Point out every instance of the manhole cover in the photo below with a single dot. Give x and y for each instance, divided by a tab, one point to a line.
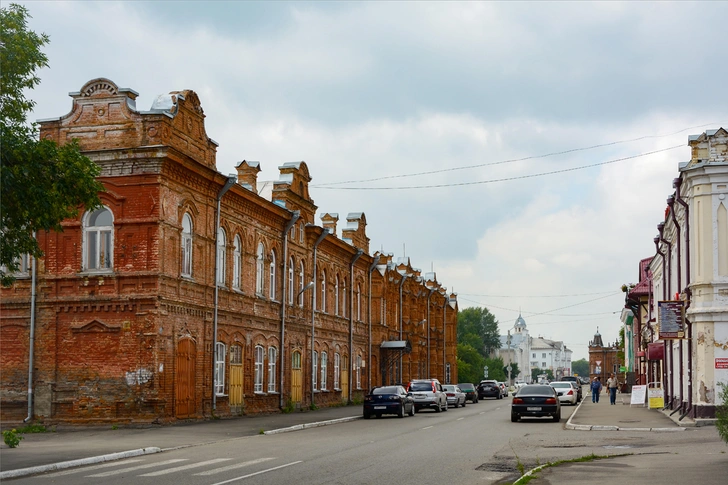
497	467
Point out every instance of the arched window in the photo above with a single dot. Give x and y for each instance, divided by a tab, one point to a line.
259	265
186	245
291	289
219	368
337	367
272	269
358	302
272	360
293	233
221	257
323	291
237	262
301	233
259	356
344	299
98	240
324	364
315	370
336	296
301	284
358	371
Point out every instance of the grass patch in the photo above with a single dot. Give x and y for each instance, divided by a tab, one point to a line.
592	457
32	428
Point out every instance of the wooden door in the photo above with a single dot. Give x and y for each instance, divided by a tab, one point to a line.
185	379
236	377
296	377
345	378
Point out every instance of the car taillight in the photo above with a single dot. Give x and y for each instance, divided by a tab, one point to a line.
517	400
393	398
367	398
450	394
570	393
550	400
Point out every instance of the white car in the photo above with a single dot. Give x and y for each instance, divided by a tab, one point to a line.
455	396
566	391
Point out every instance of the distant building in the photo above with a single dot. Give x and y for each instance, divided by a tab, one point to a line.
602	358
551	355
517	351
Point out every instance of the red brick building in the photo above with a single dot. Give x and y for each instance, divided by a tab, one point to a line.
155	307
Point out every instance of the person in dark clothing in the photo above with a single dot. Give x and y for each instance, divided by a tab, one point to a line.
596	389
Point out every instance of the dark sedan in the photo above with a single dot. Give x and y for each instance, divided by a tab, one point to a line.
489	389
536	400
471	393
388	400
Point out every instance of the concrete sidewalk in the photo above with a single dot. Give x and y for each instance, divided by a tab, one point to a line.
602	416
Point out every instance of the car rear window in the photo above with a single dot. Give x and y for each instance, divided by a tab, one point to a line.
421	386
561	384
385	390
538	390
448	388
466	387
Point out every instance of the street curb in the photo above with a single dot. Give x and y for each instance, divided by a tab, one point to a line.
21	472
591	427
317	424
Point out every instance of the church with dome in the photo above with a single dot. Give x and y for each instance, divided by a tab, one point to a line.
515	348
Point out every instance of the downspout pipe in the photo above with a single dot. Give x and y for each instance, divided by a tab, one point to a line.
676	183
231	180
372	267
321	237
444	346
671	205
432	290
401	319
358	254
294	217
31	344
666	291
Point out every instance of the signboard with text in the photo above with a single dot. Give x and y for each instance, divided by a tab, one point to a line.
655	397
671	318
639	395
721	363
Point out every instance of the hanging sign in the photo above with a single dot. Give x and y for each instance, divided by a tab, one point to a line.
671	318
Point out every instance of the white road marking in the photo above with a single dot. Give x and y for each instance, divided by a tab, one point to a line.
233	467
481	412
258	473
428	427
139	467
459	419
185	467
89	468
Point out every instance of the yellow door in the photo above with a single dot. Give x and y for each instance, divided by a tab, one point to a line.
345	379
296	378
236	376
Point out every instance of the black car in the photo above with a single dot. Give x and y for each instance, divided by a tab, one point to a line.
489	389
576	381
536	400
471	393
388	400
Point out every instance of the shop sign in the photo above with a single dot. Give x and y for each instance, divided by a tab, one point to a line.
671	318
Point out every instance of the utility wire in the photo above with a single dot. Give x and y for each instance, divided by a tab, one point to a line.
538	296
563	152
507	179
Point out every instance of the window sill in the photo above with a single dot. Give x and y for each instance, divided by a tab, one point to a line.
94	272
260	393
272	393
187	278
238	291
221	395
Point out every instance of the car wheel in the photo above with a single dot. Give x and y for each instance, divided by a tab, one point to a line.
400	413
514	418
438	408
367	415
457	404
446	406
557	417
412	410
379	415
464	403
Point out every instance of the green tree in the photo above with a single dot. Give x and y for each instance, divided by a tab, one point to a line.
470	364
482	323
514	370
535	372
41	183
580	367
721	412
495	369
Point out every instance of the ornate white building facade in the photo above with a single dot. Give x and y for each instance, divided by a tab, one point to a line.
515	348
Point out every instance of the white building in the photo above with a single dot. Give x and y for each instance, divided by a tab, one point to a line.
517	350
551	355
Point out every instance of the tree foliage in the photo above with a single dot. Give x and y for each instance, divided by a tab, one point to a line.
535	372
495	369
721	411
479	322
470	364
580	367
514	370
41	183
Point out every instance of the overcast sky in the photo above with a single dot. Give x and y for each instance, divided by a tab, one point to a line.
389	91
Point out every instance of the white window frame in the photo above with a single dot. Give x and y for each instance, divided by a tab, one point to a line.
358	302
272	280
301	233
314	374
344	299
336	296
324	369
237	261
220	353
323	291
272	364
358	371
291	288
259	267
220	255
293	233
301	283
187	245
337	369
259	357
98	236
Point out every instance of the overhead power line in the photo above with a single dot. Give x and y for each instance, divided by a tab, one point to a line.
538	296
507	179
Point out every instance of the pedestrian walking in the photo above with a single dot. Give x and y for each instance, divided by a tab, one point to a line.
612	385
596	388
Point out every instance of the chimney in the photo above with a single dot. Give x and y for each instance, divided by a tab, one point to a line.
248	174
329	220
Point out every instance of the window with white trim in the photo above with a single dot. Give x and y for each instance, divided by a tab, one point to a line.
301	284
259	356
293	233
219	368
98	234
358	302
272	269
358	371
259	266
324	369
337	367
345	299
301	233
221	256
237	261
314	374
186	245
291	288
272	361
336	296
447	374
323	291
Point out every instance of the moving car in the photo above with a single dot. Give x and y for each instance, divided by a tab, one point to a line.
578	383
427	393
455	395
471	393
388	400
489	388
536	400
566	391
504	389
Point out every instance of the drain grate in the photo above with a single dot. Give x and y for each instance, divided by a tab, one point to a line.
502	467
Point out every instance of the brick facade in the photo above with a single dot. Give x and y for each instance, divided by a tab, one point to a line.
134	342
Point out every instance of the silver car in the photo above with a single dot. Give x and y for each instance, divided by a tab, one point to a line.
428	393
455	396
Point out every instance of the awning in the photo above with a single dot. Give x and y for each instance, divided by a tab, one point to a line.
397	345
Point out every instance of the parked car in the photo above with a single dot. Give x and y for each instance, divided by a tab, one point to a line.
427	393
489	388
536	400
566	391
388	400
471	393
503	388
578	383
455	396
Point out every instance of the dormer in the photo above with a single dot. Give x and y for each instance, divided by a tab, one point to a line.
292	188
248	174
355	231
329	221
